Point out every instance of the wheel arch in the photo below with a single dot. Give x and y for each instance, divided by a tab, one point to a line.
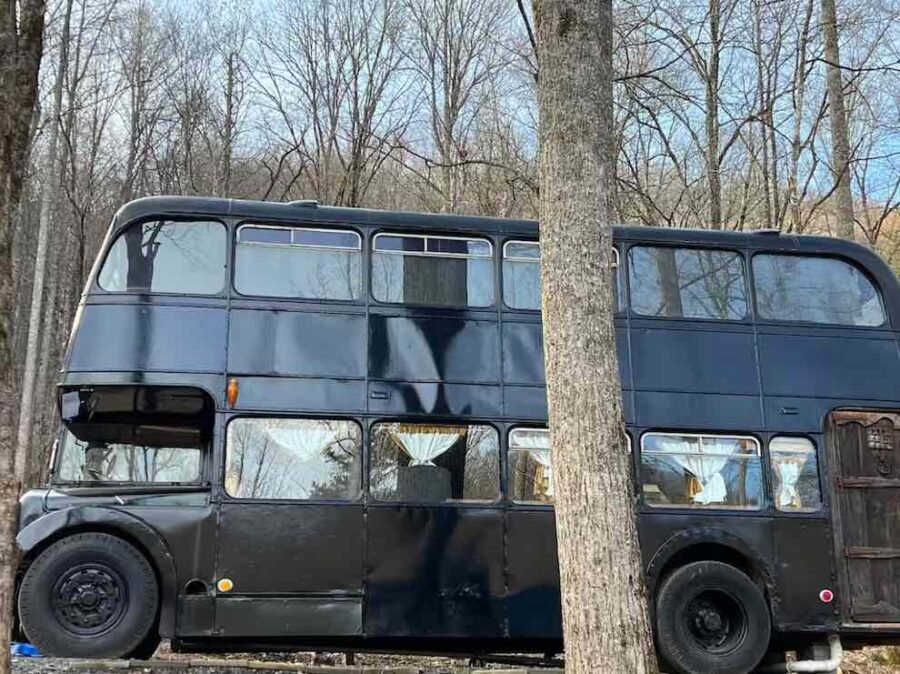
54	526
697	545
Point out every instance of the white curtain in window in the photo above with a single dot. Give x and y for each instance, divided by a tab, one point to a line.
537	443
423	445
305	440
789	472
704	467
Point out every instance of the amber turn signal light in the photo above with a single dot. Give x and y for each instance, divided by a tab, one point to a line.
231	392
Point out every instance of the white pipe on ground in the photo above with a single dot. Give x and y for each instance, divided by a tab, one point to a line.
830	665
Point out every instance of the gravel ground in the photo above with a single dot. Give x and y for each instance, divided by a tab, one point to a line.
867	661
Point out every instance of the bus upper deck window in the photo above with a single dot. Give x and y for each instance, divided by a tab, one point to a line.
795	474
687	283
713	471
298	263
159	256
816	290
522	275
436	270
434	463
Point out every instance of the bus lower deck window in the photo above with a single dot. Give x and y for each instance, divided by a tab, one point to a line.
795	474
716	471
530	466
434	463
293	459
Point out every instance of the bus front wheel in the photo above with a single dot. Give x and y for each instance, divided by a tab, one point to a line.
711	617
89	595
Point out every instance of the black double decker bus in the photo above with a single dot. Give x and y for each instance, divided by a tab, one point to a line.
292	426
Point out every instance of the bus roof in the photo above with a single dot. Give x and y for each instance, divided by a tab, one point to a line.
310	211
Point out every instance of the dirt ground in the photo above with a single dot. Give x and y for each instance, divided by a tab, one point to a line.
872	661
868	661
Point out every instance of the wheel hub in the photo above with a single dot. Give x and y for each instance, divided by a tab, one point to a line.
710	620
89	598
714	621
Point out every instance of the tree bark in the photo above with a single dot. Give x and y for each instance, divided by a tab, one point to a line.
840	142
604	601
21	47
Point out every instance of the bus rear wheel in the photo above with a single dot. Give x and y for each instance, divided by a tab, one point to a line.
89	595
711	617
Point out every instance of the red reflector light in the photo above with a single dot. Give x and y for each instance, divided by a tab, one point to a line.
827	596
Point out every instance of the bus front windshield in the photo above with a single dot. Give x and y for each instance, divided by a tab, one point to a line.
149	456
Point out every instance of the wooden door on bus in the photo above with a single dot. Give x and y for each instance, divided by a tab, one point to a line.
866	473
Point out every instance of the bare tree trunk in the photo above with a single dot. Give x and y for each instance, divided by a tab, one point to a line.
840	142
798	106
227	150
21	47
49	197
606	623
712	119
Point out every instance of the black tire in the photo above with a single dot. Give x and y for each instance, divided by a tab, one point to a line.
89	595
711	617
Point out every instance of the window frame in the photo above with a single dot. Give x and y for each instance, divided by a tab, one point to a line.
763	477
372	500
290	227
110	242
795	512
427	254
879	291
363	485
749	297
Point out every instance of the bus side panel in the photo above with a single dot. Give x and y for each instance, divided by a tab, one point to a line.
435	572
803	550
297	344
433	349
829	366
533	603
296	569
150	338
452	400
523	354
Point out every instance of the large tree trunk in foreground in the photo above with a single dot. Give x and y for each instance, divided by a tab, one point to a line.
21	46
605	617
840	141
49	196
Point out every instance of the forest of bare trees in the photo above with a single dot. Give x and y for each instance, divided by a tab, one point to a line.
722	113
